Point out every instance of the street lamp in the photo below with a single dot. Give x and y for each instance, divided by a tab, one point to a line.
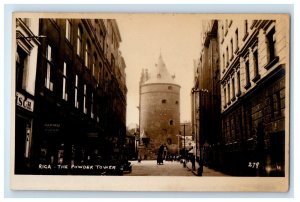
201	126
184	151
178	142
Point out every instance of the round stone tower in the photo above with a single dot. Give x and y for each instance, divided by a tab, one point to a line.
159	112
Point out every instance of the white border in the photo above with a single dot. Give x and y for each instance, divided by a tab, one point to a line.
211	2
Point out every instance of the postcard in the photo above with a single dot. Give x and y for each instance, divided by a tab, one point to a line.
150	102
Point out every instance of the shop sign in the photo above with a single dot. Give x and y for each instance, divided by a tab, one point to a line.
24	102
52	127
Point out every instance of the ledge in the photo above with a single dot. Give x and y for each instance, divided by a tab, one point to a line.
271	63
247	85
256	78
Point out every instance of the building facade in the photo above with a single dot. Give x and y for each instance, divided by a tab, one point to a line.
253	59
206	112
80	93
159	111
27	43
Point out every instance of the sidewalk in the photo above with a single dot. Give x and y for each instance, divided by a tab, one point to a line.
206	171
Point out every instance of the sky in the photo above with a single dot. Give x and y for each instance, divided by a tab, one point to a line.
144	37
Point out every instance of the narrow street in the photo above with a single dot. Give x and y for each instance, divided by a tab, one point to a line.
169	168
150	168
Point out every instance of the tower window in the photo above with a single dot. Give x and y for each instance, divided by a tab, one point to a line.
164	101
171	122
176	102
169	87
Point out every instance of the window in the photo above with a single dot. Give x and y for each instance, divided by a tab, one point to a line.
231	49
271	44
247	75
255	64
93	66
238	77
79	42
48	83
227	56
92	106
171	122
224	67
225	98
68	29
87	55
233	89
177	102
226	27
222	33
228	87
236	40
76	92
64	89
21	62
164	101
84	99
170	88
246	29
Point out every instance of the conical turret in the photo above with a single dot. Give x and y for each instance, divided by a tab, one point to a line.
160	73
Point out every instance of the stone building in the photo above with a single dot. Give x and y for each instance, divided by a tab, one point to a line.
80	93
205	94
159	111
27	42
253	61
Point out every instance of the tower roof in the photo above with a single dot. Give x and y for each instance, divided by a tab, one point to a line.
160	73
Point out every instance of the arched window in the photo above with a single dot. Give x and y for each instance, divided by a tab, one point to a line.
164	101
171	122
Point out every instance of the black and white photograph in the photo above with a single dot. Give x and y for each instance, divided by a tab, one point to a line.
155	101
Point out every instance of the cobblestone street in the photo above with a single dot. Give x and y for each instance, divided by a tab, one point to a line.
169	168
150	168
